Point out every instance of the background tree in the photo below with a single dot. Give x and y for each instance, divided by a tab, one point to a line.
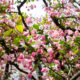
49	45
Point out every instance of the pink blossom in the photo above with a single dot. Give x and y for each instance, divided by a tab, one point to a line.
25	33
29	76
44	60
33	32
55	34
35	38
62	33
21	56
31	69
33	54
42	37
56	62
76	33
43	42
70	32
19	60
1	48
50	51
28	20
2	20
77	66
44	70
30	62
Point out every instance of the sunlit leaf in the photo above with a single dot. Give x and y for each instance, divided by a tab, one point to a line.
7	33
20	28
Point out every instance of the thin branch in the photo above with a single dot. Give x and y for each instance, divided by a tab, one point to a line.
19	12
21	70
75	76
45	3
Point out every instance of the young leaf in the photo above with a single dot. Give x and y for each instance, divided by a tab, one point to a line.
16	41
62	42
36	26
7	33
19	28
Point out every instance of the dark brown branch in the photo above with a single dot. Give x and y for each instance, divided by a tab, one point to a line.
19	12
56	21
6	75
45	3
21	70
3	43
75	76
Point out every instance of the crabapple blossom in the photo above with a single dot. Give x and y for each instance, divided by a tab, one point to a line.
50	50
29	76
33	54
28	20
44	70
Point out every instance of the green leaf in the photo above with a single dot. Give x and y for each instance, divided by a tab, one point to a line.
1	53
25	38
33	42
52	64
30	36
19	28
36	66
7	33
62	42
16	41
77	41
36	26
32	0
63	52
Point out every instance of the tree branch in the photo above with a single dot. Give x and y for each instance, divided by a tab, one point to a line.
19	12
21	70
3	43
45	3
75	76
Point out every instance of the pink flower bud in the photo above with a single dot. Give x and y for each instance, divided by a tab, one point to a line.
33	54
29	76
1	48
42	37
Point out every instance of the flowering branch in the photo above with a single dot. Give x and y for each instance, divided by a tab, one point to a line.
21	70
56	21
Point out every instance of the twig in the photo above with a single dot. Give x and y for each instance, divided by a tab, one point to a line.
19	12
